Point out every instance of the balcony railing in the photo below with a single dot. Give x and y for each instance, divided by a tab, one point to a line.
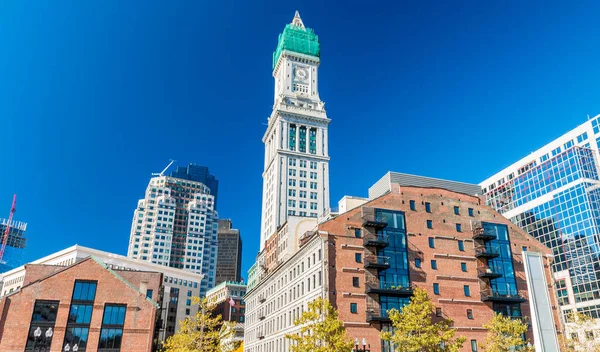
480	234
380	241
488	273
377	262
487	252
262	299
377	315
390	288
370	219
496	296
261	316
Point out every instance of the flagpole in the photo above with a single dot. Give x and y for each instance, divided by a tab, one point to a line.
230	308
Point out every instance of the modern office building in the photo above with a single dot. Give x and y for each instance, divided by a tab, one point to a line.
15	244
176	225
554	194
223	295
296	166
470	259
201	174
83	306
174	296
229	256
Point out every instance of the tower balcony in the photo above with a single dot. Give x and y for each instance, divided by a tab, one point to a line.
377	241
389	289
496	296
487	252
370	219
488	273
377	262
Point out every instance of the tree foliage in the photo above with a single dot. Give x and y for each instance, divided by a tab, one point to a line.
415	330
580	325
320	330
505	334
200	333
240	348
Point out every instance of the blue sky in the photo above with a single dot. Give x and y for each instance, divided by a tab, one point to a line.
97	95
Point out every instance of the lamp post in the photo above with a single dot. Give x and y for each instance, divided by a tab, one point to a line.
365	347
45	340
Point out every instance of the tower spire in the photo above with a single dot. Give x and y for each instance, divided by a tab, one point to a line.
297	21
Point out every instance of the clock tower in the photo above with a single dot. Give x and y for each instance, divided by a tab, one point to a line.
296	168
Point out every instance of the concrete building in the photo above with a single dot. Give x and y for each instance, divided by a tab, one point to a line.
554	194
368	260
229	255
174	298
223	294
296	166
176	225
84	306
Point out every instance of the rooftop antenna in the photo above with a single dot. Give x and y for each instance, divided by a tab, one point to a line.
13	209
162	173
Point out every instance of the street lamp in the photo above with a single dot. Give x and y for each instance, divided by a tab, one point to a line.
45	340
364	345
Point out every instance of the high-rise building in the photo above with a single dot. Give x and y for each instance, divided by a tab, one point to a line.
229	257
176	225
200	174
15	244
471	261
296	166
554	194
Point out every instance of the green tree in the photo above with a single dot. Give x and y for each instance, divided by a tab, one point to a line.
505	334
320	330
415	331
200	333
580	334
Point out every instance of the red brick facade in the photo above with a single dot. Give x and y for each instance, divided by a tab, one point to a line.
449	275
57	283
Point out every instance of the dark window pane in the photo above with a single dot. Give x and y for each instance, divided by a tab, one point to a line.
45	311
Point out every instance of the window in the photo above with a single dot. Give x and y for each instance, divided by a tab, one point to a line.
431	242
589	335
524	248
438	312
357	233
417	262
474	346
458	228
467	290
429	224
149	294
470	210
353	308
413	205
463	267
111	331
461	245
358	257
355	282
80	314
428	207
43	318
436	289
582	137
456	210
434	264
470	313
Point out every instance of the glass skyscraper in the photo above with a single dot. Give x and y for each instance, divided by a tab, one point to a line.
554	194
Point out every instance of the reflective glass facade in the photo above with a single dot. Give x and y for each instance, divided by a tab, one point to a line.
556	199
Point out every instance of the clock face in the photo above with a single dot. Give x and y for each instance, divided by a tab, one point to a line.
301	73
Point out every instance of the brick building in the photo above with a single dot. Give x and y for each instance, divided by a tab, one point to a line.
222	294
86	304
464	254
470	259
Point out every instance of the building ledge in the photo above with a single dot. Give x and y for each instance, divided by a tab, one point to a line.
470	328
461	278
356	323
353	270
350	294
349	246
454	256
452	300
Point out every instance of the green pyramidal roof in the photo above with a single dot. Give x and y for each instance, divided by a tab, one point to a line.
297	38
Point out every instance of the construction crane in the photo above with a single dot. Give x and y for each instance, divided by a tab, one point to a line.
13	209
165	169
